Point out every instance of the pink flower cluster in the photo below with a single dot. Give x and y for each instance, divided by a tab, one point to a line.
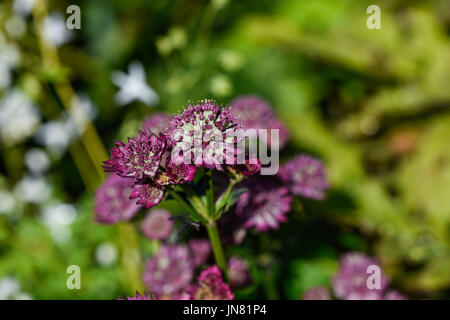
350	283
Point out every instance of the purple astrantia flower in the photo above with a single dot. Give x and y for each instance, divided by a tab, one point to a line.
181	173
148	195
305	176
138	297
238	272
169	271
351	281
139	158
157	224
251	166
200	250
112	200
157	122
255	113
211	286
318	293
394	295
204	134
264	205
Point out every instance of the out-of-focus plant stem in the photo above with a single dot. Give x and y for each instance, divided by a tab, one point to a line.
89	136
93	147
216	245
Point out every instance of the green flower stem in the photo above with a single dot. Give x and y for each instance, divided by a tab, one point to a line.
186	206
216	245
210	196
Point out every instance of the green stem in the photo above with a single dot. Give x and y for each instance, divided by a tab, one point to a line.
186	206
216	245
210	196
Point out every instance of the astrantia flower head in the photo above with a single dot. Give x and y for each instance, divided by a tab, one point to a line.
351	281
157	122
255	113
148	195
200	250
180	173
139	158
169	271
211	286
112	200
238	272
264	205
318	293
204	134
305	176
157	224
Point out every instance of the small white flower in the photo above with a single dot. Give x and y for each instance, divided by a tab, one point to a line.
133	86
106	254
15	26
37	160
19	118
58	215
7	202
55	31
57	134
8	288
23	7
58	218
33	189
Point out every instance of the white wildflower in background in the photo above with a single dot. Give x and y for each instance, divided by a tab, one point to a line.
19	117
56	135
133	86
9	287
7	202
33	189
58	218
37	160
23	7
55	31
106	254
15	26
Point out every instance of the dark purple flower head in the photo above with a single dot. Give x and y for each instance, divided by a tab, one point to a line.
238	272
200	250
148	195
157	122
180	173
138	297
255	113
318	293
169	271
112	200
139	158
211	286
264	205
351	281
251	167
305	176
157	224
204	135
